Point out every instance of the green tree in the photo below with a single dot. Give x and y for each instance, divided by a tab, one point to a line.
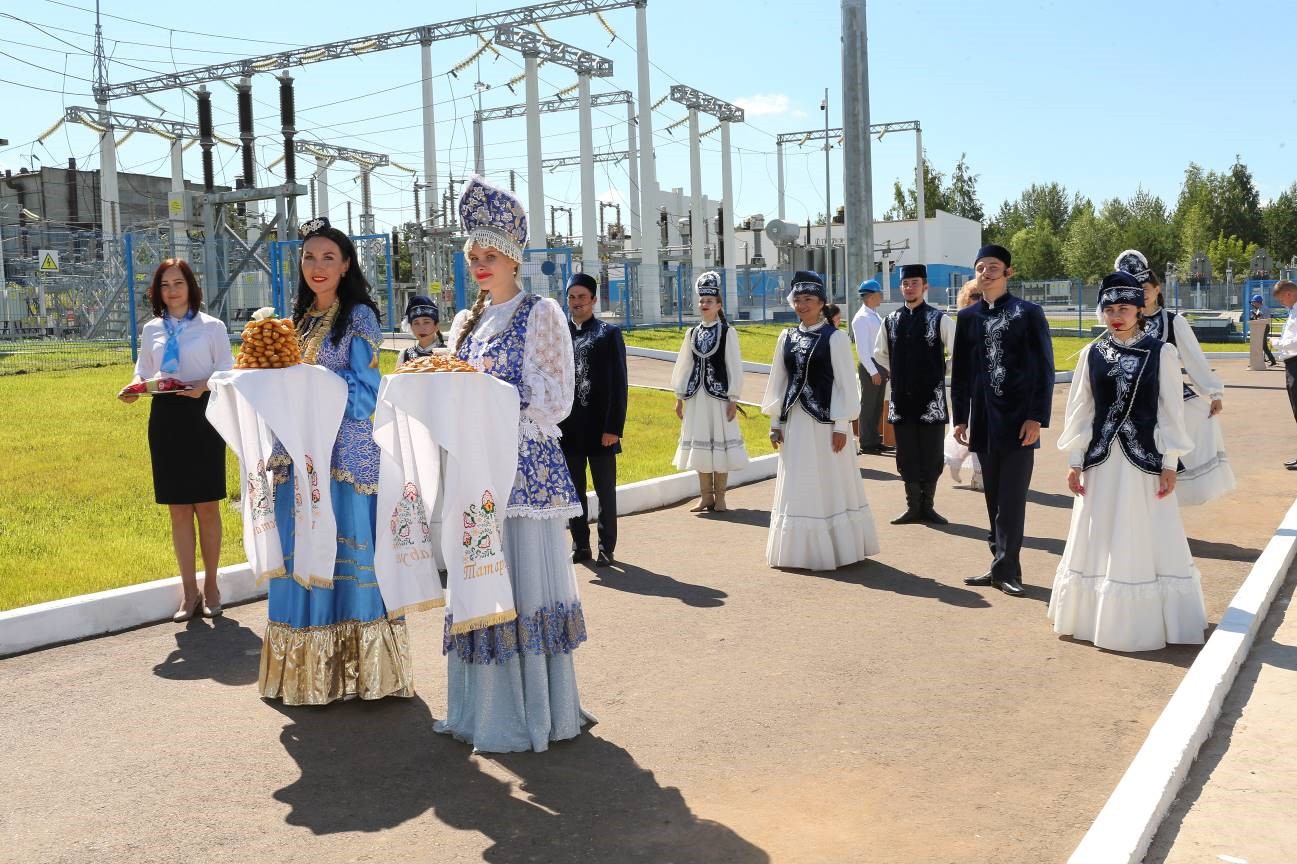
1147	227
1279	225
1089	246
1240	205
1039	200
961	194
1037	251
1195	234
905	199
1226	251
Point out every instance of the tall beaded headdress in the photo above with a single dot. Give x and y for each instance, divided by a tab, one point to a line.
492	217
1132	261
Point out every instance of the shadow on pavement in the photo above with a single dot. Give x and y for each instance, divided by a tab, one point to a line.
221	649
1222	551
621	576
884	577
372	766
1172	655
871	474
1052	545
757	518
1050	499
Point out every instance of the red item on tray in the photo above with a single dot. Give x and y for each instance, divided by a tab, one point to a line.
156	385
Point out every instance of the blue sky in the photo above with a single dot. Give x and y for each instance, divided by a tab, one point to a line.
1100	96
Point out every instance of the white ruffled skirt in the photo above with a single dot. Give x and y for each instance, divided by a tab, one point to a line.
708	442
1127	581
1206	475
820	519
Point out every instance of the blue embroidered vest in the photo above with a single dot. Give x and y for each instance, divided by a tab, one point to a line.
1124	383
918	372
810	372
709	362
543	487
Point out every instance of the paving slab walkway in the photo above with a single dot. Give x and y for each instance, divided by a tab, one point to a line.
880	713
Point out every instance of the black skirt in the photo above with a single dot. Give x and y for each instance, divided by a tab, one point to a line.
188	455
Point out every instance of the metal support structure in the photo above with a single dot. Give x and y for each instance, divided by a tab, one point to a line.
429	126
215	227
828	203
535	177
109	197
632	172
555	162
726	113
649	265
366	201
697	218
921	207
479	146
178	218
725	231
322	164
536	49
361	45
589	237
779	177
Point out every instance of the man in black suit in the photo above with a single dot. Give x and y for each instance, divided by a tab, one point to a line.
592	431
1001	390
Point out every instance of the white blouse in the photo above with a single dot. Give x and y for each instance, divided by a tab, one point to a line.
845	403
204	349
548	370
1170	437
1205	381
684	366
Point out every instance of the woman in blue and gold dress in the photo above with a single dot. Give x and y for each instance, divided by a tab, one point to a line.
328	643
512	686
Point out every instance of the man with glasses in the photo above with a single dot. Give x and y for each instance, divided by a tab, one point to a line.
1001	387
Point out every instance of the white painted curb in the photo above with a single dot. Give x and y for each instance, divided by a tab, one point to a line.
30	627
1125	826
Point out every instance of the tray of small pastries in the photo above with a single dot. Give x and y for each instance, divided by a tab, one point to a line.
269	343
436	363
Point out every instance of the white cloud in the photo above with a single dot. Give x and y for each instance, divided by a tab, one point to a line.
612	196
760	104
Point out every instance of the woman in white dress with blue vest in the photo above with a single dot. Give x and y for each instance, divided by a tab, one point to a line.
512	686
820	519
1207	474
1127	581
708	379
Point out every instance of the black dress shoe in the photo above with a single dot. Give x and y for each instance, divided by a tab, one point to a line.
980	581
1011	586
579	555
603	560
1291	464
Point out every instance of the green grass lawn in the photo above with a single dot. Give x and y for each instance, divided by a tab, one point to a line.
757	343
76	499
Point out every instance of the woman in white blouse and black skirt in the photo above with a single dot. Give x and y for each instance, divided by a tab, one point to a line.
188	455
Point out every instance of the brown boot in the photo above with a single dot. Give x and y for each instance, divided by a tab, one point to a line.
721	478
707	498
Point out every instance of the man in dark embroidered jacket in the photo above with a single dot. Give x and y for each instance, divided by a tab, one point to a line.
1001	387
913	343
592	432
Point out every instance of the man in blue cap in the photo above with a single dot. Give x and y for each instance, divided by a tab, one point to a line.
592	432
1002	390
1261	313
864	332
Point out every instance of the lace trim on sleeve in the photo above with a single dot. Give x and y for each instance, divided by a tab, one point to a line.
548	372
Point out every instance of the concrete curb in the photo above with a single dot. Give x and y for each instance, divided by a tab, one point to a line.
1125	826
44	625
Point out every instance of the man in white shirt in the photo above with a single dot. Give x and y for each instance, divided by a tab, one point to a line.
864	331
1285	291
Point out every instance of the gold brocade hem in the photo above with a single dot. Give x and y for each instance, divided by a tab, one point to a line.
421	606
482	622
342	475
307	582
319	665
276	573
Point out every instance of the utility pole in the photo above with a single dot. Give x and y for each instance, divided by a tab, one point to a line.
857	177
828	202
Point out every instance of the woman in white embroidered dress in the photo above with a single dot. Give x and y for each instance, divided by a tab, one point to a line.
820	519
956	454
1207	474
707	379
1127	581
512	686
